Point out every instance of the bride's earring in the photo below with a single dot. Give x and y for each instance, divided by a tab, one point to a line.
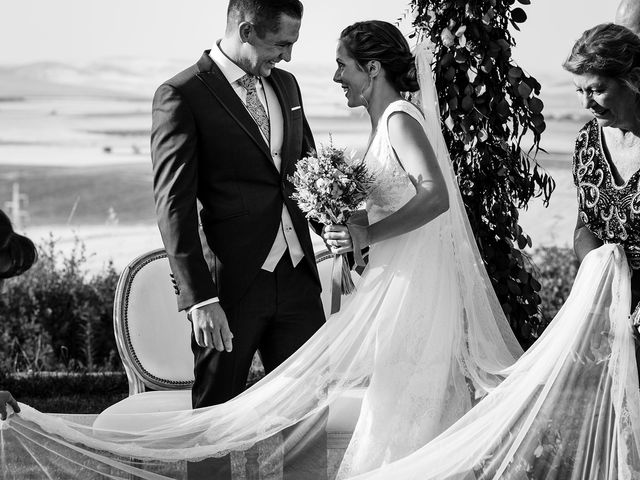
364	99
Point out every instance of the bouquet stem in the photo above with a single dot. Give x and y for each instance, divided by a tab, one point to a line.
342	283
347	282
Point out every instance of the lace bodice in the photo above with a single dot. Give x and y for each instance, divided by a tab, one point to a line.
393	188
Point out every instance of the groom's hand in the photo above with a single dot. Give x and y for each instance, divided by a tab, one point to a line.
210	327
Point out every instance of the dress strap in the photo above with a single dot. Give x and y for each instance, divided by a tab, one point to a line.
403	106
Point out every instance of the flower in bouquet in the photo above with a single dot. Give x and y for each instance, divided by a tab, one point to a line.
329	187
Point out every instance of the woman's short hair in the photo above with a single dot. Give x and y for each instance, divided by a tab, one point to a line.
382	41
609	50
20	250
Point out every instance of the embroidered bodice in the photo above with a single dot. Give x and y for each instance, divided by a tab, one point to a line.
610	211
393	188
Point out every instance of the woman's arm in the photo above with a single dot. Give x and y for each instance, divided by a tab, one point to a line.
584	240
418	159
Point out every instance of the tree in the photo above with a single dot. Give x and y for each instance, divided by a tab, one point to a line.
488	104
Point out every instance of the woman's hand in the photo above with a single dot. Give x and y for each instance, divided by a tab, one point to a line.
350	238
7	400
337	239
584	240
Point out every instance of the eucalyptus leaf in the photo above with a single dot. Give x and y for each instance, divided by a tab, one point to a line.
461	56
487	66
536	105
503	108
518	15
450	74
524	90
446	59
515	72
467	103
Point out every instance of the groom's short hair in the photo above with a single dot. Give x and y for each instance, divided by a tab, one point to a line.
264	14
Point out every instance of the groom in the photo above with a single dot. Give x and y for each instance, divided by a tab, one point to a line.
226	134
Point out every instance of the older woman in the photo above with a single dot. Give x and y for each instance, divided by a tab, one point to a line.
17	255
605	63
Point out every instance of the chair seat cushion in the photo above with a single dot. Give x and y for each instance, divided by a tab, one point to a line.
115	417
343	413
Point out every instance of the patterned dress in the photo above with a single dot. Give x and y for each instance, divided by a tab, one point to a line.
610	211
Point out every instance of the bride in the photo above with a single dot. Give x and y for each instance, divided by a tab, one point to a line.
421	380
424	333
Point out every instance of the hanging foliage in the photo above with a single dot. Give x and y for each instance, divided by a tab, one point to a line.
488	104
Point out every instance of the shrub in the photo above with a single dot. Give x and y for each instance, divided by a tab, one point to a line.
57	317
67	392
556	268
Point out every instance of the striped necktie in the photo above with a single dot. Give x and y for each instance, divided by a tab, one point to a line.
255	108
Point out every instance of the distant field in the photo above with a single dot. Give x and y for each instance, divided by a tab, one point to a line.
82	195
53	191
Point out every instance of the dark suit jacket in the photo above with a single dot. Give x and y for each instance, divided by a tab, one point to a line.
207	149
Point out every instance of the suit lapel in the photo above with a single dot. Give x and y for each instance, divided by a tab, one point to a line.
218	86
285	105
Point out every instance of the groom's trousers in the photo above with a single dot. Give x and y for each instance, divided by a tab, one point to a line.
280	311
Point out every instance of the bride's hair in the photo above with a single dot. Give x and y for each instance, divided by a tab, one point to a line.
381	41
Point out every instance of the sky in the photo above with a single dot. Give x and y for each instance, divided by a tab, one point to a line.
81	31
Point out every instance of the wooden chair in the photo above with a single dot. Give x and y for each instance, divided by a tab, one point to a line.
154	342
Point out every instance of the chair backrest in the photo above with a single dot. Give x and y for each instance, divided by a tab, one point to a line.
153	338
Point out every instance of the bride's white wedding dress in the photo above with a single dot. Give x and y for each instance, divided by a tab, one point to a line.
420	383
424	333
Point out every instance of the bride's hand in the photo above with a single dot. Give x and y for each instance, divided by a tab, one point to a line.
350	238
337	239
358	226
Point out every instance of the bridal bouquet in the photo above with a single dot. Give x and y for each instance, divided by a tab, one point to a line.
329	187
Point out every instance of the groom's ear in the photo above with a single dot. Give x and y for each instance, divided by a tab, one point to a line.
244	30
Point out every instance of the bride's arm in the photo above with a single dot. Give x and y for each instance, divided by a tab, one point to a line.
418	159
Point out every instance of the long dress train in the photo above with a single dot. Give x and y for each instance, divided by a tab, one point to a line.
569	410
